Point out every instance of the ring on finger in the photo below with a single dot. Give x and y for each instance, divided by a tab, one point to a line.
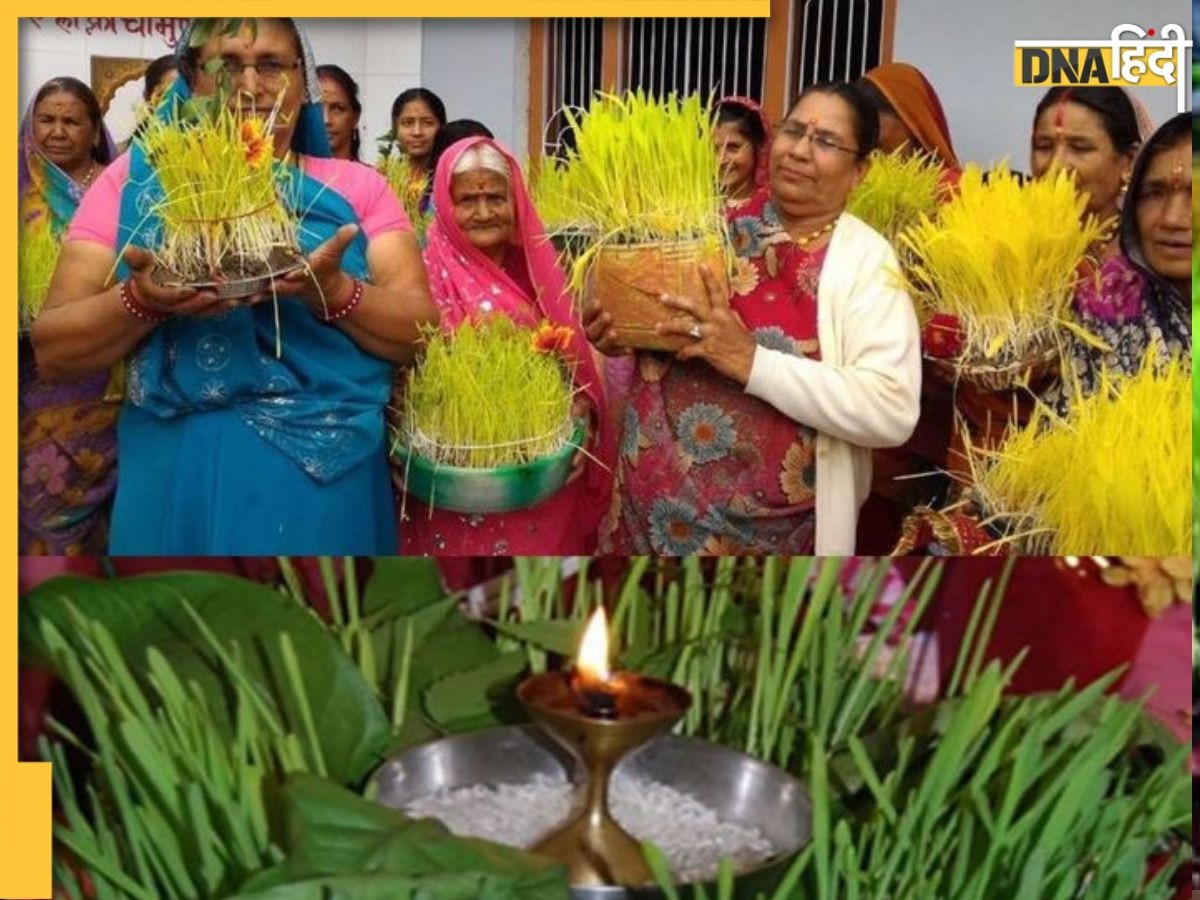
696	331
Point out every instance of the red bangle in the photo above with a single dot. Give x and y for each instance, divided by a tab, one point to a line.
138	309
356	294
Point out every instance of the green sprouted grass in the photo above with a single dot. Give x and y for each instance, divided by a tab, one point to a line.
986	796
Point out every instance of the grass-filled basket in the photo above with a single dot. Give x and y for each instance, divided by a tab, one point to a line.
486	422
224	226
1110	478
993	276
642	179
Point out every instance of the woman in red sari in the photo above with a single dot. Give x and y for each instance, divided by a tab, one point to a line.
756	436
488	254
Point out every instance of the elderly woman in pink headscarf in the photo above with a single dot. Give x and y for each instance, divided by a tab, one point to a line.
488	254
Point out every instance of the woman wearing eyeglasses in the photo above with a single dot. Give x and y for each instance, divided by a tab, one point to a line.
756	436
223	447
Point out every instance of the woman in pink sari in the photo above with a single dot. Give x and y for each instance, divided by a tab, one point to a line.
488	254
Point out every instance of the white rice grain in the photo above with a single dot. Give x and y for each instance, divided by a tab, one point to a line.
690	834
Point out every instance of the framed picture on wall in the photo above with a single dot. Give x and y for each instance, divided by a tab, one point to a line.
117	82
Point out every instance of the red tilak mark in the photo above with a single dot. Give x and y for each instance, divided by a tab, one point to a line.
1060	110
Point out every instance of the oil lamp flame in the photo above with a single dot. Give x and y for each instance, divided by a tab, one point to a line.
592	663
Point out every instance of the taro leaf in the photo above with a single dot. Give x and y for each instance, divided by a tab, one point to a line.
149	611
559	636
332	833
478	697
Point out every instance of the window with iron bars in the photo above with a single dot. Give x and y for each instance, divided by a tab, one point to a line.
770	60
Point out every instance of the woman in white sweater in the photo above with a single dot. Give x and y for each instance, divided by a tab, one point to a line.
756	437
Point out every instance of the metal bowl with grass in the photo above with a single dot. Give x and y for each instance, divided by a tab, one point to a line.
248	277
738	787
499	489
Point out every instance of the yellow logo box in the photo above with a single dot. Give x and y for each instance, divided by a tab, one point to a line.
1054	65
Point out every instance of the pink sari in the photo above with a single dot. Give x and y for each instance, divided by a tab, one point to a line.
528	288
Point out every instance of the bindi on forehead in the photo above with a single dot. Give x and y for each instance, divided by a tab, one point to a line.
1060	113
1179	171
60	104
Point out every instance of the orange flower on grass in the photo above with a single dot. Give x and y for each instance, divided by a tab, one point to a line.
551	338
258	142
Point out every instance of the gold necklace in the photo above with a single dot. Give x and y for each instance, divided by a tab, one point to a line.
805	239
1108	232
91	173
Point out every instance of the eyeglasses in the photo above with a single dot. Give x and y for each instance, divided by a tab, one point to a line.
269	71
822	142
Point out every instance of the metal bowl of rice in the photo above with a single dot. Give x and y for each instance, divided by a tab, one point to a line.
696	800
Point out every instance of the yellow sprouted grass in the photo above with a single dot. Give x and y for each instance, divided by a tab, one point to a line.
483	397
397	169
896	192
1110	478
220	203
37	257
642	170
551	187
1002	257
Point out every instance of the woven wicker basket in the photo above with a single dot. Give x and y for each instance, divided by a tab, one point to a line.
627	280
1038	364
571	243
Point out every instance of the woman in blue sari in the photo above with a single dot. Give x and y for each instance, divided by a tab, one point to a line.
225	447
67	436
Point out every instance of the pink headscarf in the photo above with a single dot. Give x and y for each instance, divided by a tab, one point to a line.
466	283
763	152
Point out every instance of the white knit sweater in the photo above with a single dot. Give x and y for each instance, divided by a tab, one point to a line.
865	390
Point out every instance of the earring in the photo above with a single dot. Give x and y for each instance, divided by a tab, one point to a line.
1125	177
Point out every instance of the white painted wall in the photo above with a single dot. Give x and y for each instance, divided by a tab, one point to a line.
382	55
480	69
965	49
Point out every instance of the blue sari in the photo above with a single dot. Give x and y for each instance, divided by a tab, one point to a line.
226	449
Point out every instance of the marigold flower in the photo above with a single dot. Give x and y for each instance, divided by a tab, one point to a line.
259	145
550	338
